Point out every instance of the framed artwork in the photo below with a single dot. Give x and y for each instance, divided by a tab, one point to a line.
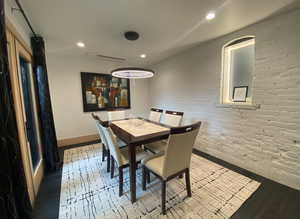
104	92
240	94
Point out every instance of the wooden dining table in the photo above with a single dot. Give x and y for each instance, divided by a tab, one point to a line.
136	132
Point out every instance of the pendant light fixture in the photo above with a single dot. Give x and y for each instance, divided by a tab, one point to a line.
132	73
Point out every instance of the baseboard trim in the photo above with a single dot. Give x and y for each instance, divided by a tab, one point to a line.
238	169
77	140
230	166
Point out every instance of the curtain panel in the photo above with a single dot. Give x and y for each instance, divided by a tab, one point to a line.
14	197
50	148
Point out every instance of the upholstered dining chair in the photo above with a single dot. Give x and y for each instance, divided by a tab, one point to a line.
105	150
155	114
115	115
120	155
175	161
171	118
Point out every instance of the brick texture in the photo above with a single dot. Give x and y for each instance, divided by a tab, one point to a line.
265	141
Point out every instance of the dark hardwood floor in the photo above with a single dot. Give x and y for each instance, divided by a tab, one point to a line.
271	201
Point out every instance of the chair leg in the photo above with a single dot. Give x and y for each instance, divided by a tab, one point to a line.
188	182
108	160
148	176
163	197
144	177
103	152
120	181
112	170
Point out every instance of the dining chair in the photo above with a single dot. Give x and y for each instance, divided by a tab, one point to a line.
105	150
120	156
174	162
116	115
155	114
171	118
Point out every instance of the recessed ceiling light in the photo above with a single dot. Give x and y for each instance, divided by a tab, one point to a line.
143	56
80	44
210	16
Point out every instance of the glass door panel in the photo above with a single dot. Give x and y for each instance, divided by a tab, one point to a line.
31	120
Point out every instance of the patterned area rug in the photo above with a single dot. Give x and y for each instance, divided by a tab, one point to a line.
87	192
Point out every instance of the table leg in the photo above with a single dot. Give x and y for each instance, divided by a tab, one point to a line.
132	168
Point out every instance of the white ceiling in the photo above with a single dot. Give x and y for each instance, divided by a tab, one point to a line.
166	26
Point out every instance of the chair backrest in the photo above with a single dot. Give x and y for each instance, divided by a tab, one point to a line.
95	116
172	118
112	144
116	115
98	125
102	136
179	149
155	114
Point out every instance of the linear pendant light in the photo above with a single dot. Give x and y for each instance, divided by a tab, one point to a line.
132	73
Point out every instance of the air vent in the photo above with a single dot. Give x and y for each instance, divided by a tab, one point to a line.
111	58
106	58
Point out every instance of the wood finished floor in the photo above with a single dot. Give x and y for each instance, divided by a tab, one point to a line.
271	201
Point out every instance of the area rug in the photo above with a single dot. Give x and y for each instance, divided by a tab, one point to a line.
88	192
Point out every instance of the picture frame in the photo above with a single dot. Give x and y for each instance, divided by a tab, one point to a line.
103	92
240	94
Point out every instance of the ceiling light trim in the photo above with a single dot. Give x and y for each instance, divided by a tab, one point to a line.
132	73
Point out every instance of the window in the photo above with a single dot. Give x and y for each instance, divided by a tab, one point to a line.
238	67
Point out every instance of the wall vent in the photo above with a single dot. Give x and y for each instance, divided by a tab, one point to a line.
107	58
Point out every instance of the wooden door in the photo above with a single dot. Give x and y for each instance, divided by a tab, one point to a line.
23	86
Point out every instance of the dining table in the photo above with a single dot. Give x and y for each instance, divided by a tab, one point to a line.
136	132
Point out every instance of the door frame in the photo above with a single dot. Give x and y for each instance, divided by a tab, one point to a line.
21	52
16	48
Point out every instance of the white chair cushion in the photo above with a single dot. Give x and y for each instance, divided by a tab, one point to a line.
157	147
121	143
155	163
140	155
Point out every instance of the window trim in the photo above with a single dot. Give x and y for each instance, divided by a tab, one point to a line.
225	80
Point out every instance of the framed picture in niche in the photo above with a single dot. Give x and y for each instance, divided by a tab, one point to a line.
240	94
103	92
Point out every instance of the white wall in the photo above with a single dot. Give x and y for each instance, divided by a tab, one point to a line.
66	95
265	141
16	18
65	85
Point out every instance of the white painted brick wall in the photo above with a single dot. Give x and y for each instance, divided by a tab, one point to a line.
265	141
